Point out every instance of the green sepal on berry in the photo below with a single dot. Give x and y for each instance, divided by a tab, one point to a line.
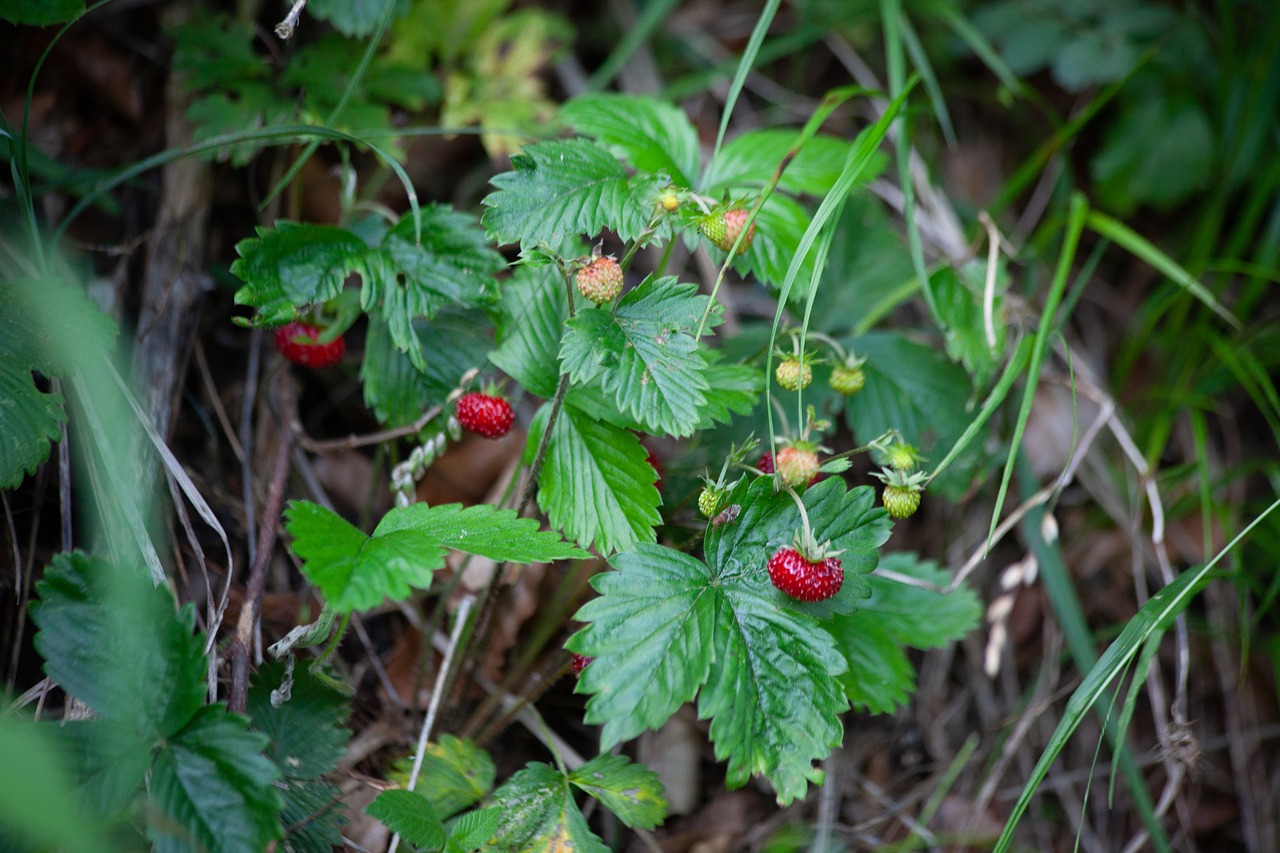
901	457
901	495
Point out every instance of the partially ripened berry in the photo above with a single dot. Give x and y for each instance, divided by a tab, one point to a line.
797	466
580	662
793	374
708	502
802	579
765	464
299	343
600	281
847	380
734	220
485	414
900	501
714	228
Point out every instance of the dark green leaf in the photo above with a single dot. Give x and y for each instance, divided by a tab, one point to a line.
306	733
354	571
538	813
212	781
108	637
312	815
596	483
1158	152
456	774
733	390
471	830
750	160
353	17
35	809
651	135
40	13
958	295
880	677
250	105
215	52
644	354
111	761
481	529
560	191
396	390
410	815
631	791
531	322
294	265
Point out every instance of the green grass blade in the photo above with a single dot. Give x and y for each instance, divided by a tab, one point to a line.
744	68
1137	245
921	62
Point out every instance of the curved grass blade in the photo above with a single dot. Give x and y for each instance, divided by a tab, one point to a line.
744	68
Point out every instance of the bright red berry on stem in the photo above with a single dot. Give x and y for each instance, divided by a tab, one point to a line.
802	579
766	463
600	281
299	343
580	662
485	414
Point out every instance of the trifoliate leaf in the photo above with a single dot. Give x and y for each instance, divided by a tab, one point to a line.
108	637
559	191
410	815
456	774
644	353
215	52
530	325
451	266
395	389
666	624
538	813
596	483
650	134
880	677
631	791
215	787
293	265
355	571
498	534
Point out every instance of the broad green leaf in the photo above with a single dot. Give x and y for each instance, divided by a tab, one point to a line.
530	325
631	791
559	191
409	815
471	830
596	483
355	571
538	813
395	389
456	774
880	677
1158	151
108	637
666	624
482	529
353	17
406	279
36	811
213	782
111	761
40	13
294	265
312	816
29	418
750	161
914	389
651	135
958	296
644	353
732	390
248	106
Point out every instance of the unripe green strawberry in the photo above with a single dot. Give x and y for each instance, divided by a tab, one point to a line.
600	281
714	228
669	201
793	374
847	380
734	220
796	465
708	502
900	501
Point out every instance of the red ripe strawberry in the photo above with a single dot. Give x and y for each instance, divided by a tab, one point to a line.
580	662
299	342
600	281
766	463
797	465
734	220
802	579
485	414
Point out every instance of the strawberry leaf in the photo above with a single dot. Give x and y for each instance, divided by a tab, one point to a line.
596	483
294	265
538	813
108	636
216	787
631	791
398	391
353	17
732	390
455	775
411	816
750	160
880	677
355	571
531	322
644	353
651	135
559	191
